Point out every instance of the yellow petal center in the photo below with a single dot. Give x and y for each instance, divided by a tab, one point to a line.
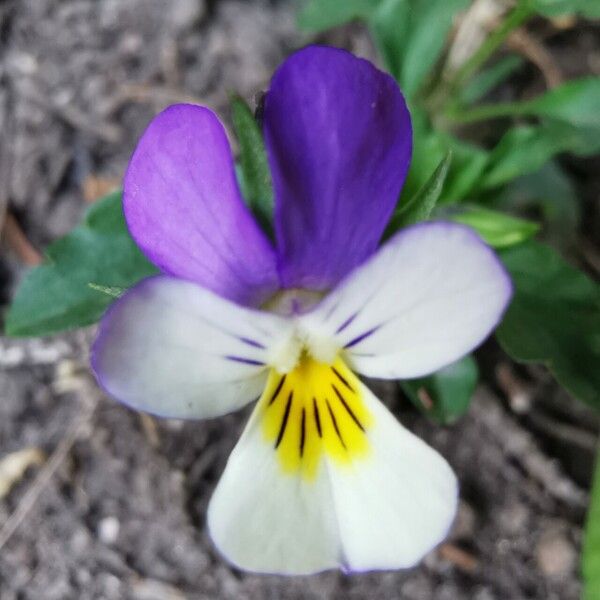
313	410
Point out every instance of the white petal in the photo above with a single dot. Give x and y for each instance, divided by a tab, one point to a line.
385	509
268	521
428	297
398	504
174	349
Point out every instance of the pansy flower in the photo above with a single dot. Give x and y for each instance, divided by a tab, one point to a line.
323	476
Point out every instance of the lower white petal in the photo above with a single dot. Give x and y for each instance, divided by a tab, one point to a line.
396	506
266	521
366	494
172	348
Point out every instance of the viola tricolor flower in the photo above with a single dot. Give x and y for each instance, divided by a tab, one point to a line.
323	475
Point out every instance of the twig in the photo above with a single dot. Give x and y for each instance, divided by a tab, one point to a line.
463	560
18	242
425	398
150	430
526	44
47	472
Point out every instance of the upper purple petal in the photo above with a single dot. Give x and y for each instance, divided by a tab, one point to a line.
183	207
339	141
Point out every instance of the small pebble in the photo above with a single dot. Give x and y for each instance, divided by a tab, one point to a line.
108	530
555	555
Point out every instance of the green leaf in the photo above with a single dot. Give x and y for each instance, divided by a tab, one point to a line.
552	8
255	177
429	149
319	15
590	560
575	102
497	229
568	111
554	318
444	396
57	296
468	164
550	193
523	150
411	34
421	205
490	78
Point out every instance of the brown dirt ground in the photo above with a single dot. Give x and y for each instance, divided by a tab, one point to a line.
122	514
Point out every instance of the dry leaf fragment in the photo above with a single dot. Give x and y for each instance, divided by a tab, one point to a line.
14	465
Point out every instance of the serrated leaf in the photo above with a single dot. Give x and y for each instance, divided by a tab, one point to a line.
255	180
497	229
554	318
319	15
411	35
56	296
446	395
590	560
421	205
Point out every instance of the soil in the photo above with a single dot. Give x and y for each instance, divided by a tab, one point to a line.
118	509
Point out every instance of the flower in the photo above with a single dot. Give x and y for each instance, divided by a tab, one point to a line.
323	475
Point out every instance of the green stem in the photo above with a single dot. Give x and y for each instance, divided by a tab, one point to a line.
486	112
590	562
514	19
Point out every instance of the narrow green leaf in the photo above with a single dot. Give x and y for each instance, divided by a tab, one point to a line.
446	395
550	193
590	560
319	15
256	175
430	147
421	205
56	296
552	8
488	79
523	150
575	102
468	164
554	318
497	229
411	34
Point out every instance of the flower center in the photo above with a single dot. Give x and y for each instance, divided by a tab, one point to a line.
294	301
314	409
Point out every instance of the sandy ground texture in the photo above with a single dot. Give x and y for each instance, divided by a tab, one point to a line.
102	503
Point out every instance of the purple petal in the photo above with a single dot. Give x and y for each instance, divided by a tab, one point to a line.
338	136
184	209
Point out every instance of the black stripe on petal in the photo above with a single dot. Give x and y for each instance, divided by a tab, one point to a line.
342	379
277	390
302	431
286	416
335	425
348	409
317	417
